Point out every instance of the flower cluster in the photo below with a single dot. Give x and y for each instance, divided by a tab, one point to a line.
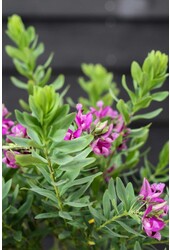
8	128
104	123
156	208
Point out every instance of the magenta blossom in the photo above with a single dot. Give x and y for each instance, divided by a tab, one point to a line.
5	111
152	225
6	122
18	131
151	192
105	124
9	159
103	112
83	121
6	125
102	146
70	135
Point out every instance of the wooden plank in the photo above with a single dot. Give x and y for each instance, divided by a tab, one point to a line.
131	9
11	94
113	44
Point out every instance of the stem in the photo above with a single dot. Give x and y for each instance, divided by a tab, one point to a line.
155	242
111	220
53	180
13	146
110	158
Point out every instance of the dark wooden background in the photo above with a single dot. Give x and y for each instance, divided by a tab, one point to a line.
110	32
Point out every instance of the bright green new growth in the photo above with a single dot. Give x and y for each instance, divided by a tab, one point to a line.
25	55
147	78
98	85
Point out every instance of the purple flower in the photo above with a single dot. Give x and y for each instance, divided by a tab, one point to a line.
103	112
9	159
5	111
152	225
151	192
18	131
102	146
83	121
70	135
6	123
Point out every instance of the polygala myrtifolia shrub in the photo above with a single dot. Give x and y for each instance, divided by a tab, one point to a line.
66	175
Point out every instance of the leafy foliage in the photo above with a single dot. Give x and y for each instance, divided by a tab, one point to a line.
59	187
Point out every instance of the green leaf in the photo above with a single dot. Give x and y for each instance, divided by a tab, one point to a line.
6	188
136	72
164	156
24	142
45	174
78	162
27	160
130	194
112	234
20	117
46	78
160	96
142	103
17	236
35	136
149	115
130	93
46	193
123	109
106	205
15	194
137	246
77	204
74	145
14	52
47	215
59	82
128	229
65	215
19	83
24	209
139	132
112	194
49	60
64	235
24	105
121	192
39	50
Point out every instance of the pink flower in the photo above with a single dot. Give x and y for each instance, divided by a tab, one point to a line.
6	123
9	159
70	135
151	192
152	225
18	131
83	121
5	111
103	112
102	146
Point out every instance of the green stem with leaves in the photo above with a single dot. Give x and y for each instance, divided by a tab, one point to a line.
112	219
